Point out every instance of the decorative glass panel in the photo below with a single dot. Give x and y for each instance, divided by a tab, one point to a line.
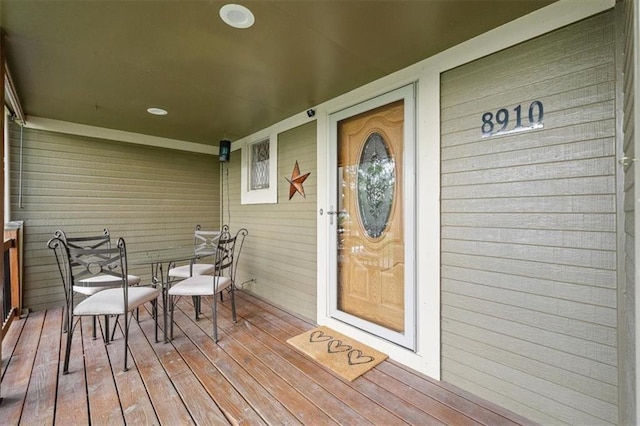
259	165
376	183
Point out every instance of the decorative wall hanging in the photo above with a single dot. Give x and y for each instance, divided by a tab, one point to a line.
295	183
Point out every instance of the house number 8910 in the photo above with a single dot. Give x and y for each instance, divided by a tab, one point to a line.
499	124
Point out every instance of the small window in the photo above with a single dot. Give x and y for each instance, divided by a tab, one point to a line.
259	165
258	171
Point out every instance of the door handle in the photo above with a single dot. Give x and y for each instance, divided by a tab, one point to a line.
331	212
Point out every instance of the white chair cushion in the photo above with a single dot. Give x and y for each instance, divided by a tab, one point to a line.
198	269
87	291
111	301
201	285
106	279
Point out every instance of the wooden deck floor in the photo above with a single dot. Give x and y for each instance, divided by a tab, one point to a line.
252	376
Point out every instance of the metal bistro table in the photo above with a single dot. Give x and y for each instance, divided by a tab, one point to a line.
160	260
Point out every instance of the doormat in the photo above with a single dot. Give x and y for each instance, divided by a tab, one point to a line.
345	356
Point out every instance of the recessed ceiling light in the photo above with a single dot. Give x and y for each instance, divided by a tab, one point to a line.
157	111
237	16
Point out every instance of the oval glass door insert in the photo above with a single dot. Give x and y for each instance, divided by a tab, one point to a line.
376	183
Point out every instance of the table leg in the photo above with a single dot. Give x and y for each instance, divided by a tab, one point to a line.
165	294
157	277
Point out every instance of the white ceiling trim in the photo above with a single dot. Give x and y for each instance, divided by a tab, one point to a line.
51	125
275	129
11	95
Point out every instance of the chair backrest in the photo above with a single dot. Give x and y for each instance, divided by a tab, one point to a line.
100	241
229	248
58	246
78	265
205	242
237	249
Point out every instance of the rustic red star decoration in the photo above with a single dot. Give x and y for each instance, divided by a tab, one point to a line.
295	183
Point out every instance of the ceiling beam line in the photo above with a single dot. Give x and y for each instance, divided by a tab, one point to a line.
41	123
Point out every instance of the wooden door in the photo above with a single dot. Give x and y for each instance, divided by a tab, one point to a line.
370	239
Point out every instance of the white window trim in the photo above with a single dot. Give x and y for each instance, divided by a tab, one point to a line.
266	195
252	163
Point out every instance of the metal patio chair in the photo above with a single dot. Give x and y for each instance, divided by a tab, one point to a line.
227	255
100	241
80	266
204	244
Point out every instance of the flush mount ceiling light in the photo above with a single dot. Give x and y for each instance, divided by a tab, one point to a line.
157	111
237	16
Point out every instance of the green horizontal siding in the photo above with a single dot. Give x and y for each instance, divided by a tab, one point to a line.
281	249
529	244
152	197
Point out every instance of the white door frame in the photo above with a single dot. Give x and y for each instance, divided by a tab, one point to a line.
408	338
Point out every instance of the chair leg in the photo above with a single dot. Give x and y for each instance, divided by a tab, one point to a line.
67	351
172	304
196	305
127	321
233	304
214	310
106	329
65	320
95	328
115	325
154	313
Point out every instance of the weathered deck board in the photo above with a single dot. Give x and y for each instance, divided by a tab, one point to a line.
9	342
17	376
136	410
267	407
268	368
305	385
287	325
70	406
39	403
270	329
104	406
150	361
252	376
204	392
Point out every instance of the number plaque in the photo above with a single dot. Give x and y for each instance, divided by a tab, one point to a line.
501	123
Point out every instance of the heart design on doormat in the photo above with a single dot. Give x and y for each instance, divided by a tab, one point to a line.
319	336
356	357
342	354
337	346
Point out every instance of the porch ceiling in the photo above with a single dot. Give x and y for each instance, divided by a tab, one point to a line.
103	63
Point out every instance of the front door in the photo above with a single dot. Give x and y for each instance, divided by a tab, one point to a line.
374	285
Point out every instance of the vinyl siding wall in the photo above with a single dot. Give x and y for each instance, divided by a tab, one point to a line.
626	15
528	252
280	251
151	197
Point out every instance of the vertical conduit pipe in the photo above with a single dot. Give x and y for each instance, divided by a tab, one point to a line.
20	187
